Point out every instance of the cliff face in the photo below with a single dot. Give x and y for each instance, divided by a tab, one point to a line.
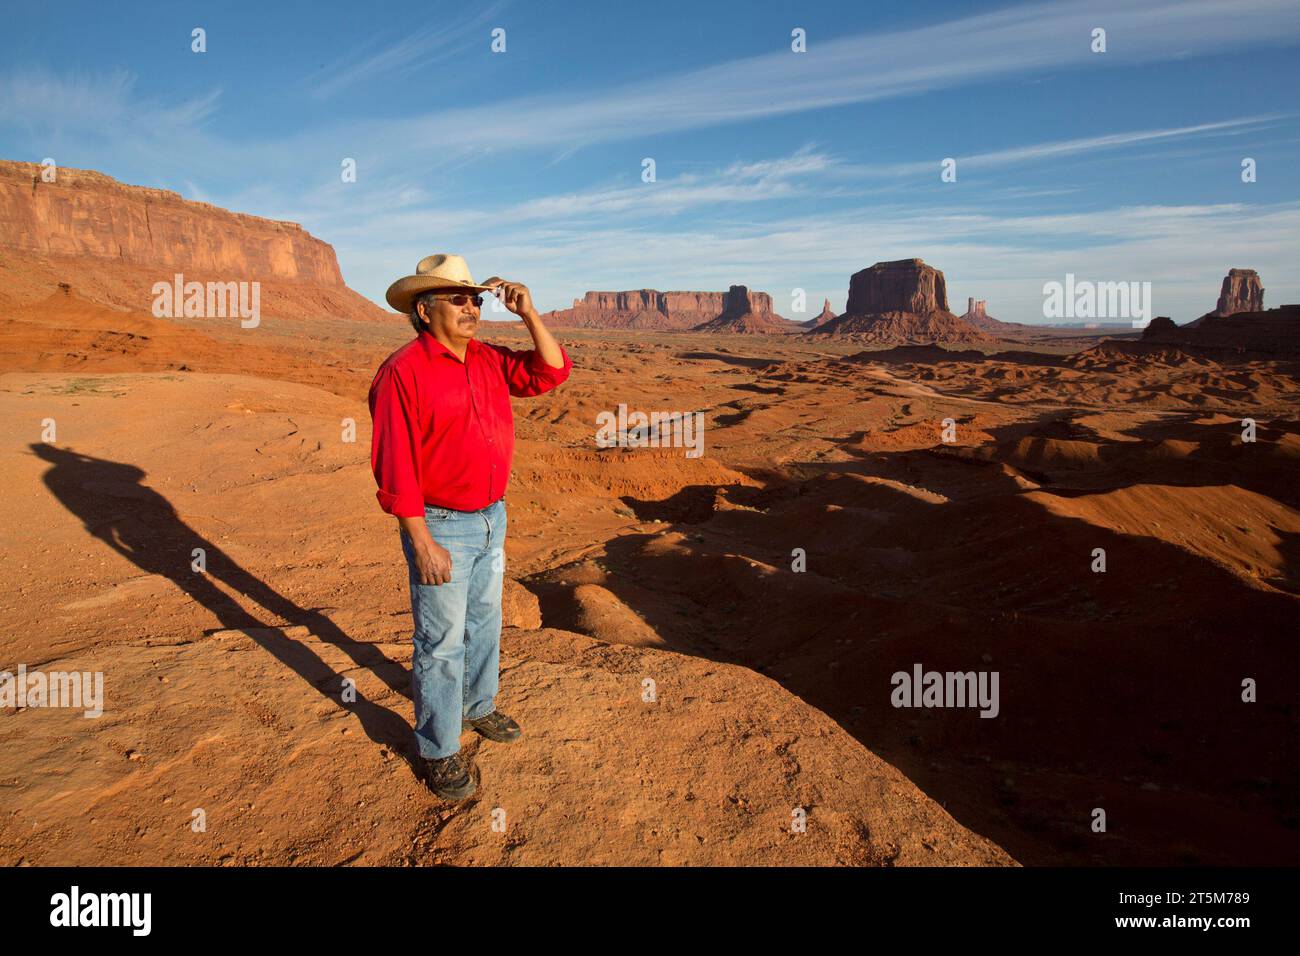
907	285
651	309
88	214
112	241
1241	292
745	311
902	302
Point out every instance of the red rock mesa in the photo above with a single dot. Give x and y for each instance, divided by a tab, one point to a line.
901	302
665	311
112	242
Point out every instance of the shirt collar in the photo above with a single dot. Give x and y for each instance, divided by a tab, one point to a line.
433	347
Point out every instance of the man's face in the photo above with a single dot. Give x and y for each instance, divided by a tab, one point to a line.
455	322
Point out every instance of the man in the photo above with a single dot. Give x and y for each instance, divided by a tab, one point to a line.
441	449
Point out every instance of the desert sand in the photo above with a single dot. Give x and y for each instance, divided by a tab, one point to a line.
224	690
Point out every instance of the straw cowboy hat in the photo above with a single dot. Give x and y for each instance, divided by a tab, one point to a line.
439	271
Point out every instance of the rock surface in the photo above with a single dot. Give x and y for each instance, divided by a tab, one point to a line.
1242	292
114	241
977	315
745	311
1275	332
650	309
827	314
901	302
232	705
906	285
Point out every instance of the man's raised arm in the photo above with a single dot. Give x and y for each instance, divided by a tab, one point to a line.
552	364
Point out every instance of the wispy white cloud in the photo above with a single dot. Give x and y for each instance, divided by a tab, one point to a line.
781	178
106	104
1034	152
413	51
873	66
1014	41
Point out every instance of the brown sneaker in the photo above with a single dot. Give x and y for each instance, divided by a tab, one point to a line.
494	726
449	777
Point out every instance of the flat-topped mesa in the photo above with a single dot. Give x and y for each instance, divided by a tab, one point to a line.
905	285
1241	292
901	302
87	215
114	243
738	301
666	311
745	311
651	300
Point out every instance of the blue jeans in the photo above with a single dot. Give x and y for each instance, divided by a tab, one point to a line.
457	625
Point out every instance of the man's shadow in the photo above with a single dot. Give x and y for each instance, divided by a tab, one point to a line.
141	525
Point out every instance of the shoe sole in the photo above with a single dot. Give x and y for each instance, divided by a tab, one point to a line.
459	793
466	725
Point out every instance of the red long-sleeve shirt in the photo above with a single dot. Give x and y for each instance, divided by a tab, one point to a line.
444	433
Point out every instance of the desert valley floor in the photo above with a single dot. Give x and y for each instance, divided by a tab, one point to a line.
224	691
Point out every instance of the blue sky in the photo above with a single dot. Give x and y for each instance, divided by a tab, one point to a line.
775	169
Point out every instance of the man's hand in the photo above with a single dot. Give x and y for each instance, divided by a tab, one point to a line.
515	295
520	301
432	560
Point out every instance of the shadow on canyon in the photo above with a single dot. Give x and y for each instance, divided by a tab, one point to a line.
1119	691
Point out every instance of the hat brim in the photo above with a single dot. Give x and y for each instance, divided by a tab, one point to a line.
401	294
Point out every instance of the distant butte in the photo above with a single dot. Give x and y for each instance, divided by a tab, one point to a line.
903	302
745	311
827	314
736	310
977	315
1241	292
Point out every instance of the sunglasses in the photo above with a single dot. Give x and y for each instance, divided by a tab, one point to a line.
460	298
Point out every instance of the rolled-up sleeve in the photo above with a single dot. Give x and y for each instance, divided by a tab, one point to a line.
395	444
527	373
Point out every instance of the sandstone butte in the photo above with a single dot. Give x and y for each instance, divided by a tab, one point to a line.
817	321
1239	323
977	315
1241	291
736	310
112	242
900	302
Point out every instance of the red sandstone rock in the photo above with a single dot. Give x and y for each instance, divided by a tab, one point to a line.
665	311
977	315
826	315
745	311
901	302
1241	292
113	241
